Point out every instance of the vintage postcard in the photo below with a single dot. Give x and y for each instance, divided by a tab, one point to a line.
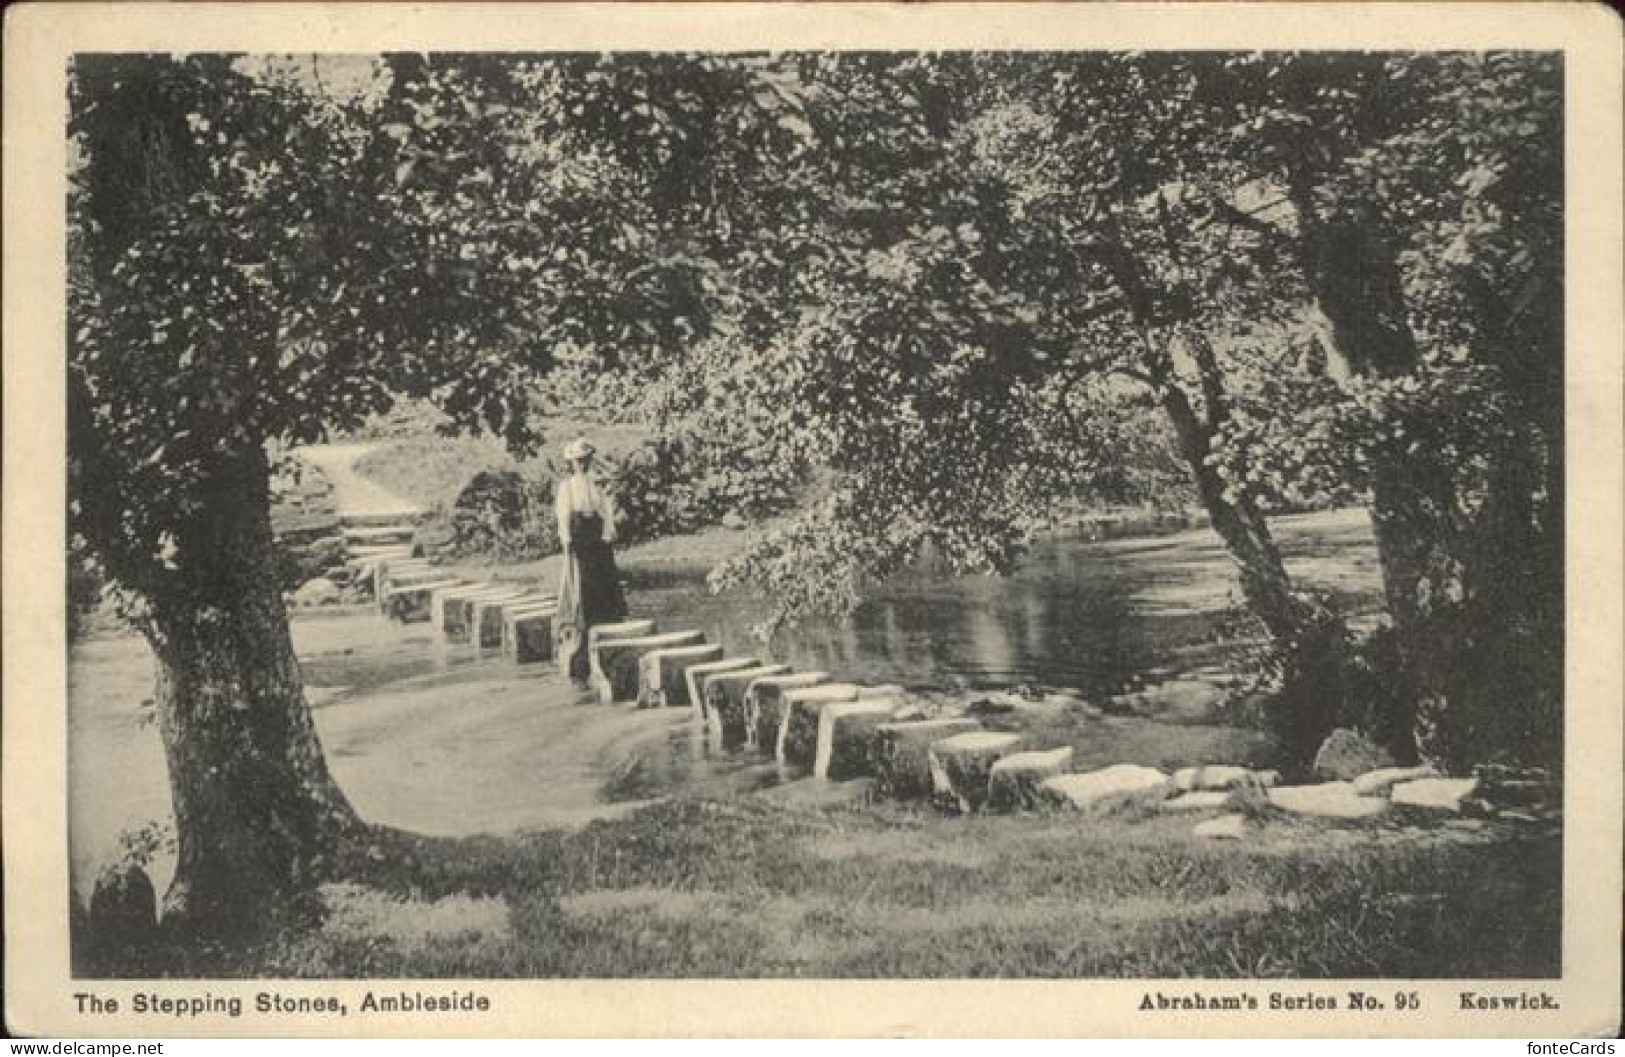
813	520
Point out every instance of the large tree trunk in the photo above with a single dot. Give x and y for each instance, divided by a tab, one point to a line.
257	813
1310	639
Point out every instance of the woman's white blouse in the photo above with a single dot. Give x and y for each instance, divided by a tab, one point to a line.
579	494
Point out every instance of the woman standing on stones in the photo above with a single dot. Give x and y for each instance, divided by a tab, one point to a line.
589	586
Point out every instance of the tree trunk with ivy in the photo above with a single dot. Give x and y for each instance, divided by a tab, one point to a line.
257	813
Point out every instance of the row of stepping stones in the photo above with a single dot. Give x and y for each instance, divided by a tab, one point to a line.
839	731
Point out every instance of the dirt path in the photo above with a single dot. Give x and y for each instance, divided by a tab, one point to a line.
352	493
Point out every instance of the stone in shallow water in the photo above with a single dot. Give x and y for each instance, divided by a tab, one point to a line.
662	673
485	619
1382	780
725	695
527	635
797	740
846	737
1013	782
697	675
764	707
1437	794
1226	827
1347	754
961	766
1328	800
616	669
903	753
1107	787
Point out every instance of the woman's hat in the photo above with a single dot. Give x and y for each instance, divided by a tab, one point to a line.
578	449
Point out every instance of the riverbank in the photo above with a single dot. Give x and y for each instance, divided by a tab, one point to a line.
578	840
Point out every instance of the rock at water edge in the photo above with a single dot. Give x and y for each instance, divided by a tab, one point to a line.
1013	782
961	765
846	737
318	592
797	741
1381	781
618	661
1327	800
1222	777
1107	788
764	707
1204	800
1347	754
1435	794
698	675
725	697
661	681
903	753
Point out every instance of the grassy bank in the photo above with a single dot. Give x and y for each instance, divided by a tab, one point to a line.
766	887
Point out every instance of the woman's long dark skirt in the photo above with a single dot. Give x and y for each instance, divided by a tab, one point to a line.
589	592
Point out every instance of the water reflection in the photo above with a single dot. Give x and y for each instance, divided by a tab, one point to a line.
1063	619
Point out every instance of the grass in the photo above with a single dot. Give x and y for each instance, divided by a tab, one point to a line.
752	888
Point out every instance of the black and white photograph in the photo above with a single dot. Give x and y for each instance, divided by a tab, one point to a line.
820	511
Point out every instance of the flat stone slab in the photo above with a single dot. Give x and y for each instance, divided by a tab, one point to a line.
764	707
847	731
411	603
902	753
797	742
1222	777
1327	800
698	675
1435	794
485	617
452	609
1013	782
382	535
1107	788
616	677
961	766
662	674
1382	781
1226	827
1202	800
527	634
725	696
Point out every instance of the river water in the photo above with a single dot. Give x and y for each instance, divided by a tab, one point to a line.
1093	616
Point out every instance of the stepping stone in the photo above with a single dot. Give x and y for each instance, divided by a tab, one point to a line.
379	518
456	608
698	675
485	616
903	753
1202	800
1227	827
1435	794
847	732
1106	788
1328	800
618	661
527	634
625	629
962	764
797	740
386	534
1222	777
764	707
410	603
725	695
662	673
1013	782
373	552
1381	781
